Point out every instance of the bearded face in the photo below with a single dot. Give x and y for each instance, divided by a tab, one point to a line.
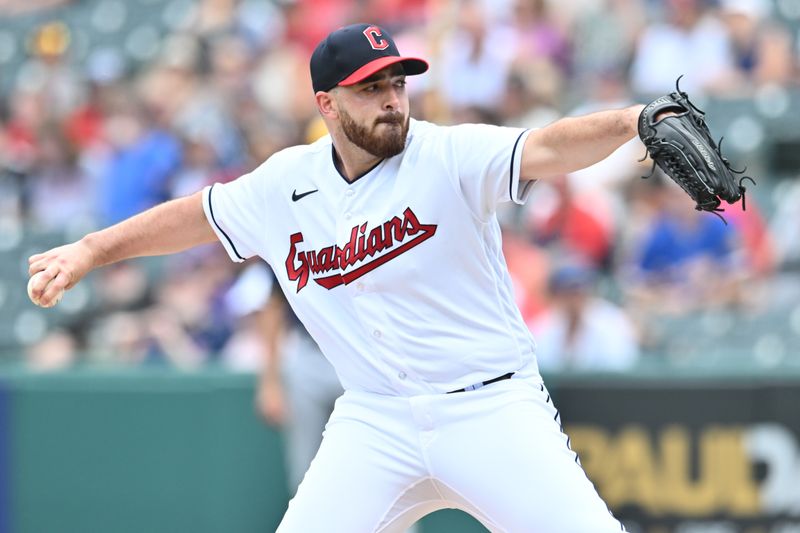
384	138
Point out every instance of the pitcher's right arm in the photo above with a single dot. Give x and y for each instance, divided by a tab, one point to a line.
167	228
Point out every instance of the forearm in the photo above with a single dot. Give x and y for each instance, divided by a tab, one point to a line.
574	143
167	228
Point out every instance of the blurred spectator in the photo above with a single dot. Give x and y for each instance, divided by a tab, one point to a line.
684	260
309	21
172	82
27	115
137	172
230	61
565	223
84	126
540	65
209	18
48	70
181	323
256	23
529	268
286	101
117	339
200	167
189	323
121	286
690	42
605	35
529	102
538	37
181	96
56	351
762	48
59	192
581	331
785	226
395	14
756	245
476	62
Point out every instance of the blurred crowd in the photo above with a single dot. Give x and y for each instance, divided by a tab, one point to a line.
600	259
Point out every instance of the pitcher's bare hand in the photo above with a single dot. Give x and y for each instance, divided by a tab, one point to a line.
57	270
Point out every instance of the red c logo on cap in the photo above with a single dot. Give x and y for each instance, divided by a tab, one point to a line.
372	34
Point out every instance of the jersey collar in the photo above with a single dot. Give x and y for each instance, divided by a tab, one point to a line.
337	166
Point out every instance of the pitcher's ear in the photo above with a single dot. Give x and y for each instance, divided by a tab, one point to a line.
327	104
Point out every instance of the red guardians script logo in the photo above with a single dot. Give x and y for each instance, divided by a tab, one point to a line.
394	237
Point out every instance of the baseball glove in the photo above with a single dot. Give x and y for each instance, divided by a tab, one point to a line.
682	147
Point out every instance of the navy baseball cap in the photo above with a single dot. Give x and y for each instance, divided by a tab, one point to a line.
353	53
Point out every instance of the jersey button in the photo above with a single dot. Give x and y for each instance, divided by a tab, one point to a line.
359	286
348	216
376	333
401	375
350	192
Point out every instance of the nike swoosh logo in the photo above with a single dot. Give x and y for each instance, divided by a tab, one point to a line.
296	196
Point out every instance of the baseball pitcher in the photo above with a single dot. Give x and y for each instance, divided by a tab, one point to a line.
384	239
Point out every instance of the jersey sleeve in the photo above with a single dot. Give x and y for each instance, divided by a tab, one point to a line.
236	212
487	161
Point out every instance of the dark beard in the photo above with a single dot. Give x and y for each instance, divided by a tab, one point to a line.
387	145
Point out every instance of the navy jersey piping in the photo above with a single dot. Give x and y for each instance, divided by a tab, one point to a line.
511	169
213	219
336	166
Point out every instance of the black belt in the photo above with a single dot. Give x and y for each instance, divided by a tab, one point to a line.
482	383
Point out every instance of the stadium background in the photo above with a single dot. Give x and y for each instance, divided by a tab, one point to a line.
129	407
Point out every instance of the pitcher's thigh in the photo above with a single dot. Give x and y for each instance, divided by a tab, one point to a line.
514	470
354	483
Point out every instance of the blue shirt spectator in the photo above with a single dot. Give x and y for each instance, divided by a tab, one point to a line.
137	175
674	242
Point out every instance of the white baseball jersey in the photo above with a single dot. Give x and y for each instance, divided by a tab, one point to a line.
398	276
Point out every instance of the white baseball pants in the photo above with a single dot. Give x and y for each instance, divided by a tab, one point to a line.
497	453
